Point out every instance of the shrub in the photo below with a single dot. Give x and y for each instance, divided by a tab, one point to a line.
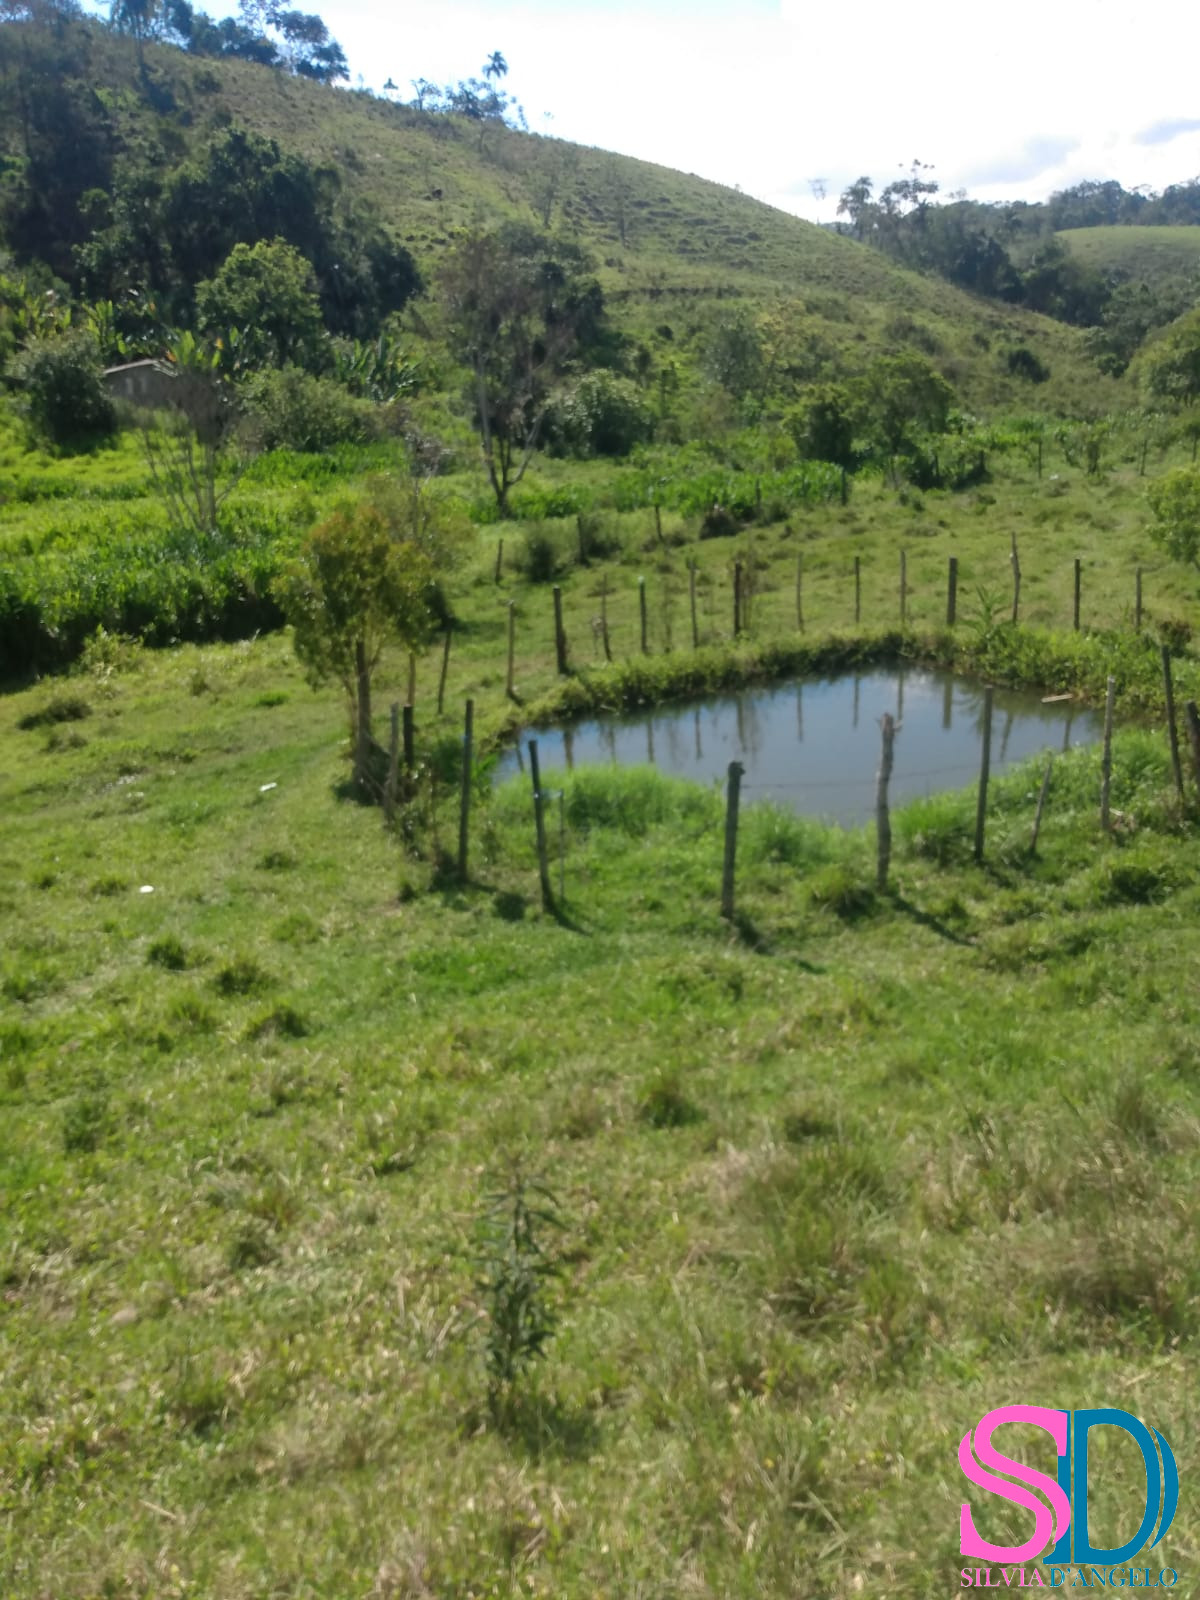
601	415
541	559
292	410
1022	363
64	399
515	1270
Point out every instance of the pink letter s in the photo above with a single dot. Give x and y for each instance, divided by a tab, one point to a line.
1055	1424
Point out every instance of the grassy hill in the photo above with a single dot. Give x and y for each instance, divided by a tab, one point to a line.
1157	256
668	244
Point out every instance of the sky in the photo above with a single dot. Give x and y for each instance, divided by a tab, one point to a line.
786	98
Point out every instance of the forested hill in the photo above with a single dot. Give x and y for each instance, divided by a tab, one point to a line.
131	168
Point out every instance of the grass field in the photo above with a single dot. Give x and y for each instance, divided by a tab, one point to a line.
1157	256
833	1181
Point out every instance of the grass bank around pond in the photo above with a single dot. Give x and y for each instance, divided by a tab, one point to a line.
833	1182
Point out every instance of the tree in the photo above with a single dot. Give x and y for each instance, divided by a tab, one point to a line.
904	397
1175	502
1171	367
354	587
823	425
855	203
186	443
62	393
495	66
269	291
517	308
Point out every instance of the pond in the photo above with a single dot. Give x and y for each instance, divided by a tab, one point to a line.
814	744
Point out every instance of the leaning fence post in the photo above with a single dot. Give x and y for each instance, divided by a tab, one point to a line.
1041	806
1193	728
1106	760
985	763
604	618
512	639
642	614
1078	584
560	637
800	593
737	599
857	590
539	822
1137	602
903	587
464	815
883	820
733	790
445	668
1016	575
952	592
499	559
1169	690
692	598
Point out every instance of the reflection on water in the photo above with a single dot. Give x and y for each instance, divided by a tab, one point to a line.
814	745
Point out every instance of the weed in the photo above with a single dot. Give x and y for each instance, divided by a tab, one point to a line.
516	1266
242	975
59	708
85	1124
664	1103
168	953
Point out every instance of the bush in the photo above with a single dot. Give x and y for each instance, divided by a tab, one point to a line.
602	415
541	558
64	398
1022	363
292	410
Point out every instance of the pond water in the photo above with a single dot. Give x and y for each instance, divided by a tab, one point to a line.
814	744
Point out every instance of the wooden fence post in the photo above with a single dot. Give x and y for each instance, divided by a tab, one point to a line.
985	763
389	788
692	598
445	669
464	815
903	587
1169	690
1016	574
952	592
1078	584
1106	759
499	559
412	677
857	590
512	639
642	615
1193	728
737	599
604	640
800	593
658	522
733	790
1137	602
1041	806
560	637
539	822
410	759
883	820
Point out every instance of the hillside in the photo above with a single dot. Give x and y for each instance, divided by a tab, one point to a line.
661	238
1161	256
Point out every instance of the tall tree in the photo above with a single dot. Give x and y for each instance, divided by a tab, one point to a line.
515	312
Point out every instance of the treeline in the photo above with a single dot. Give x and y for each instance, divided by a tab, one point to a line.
1012	252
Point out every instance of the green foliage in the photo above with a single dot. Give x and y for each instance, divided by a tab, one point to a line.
516	1266
354	587
267	291
1175	503
1171	367
293	410
601	414
823	425
63	395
